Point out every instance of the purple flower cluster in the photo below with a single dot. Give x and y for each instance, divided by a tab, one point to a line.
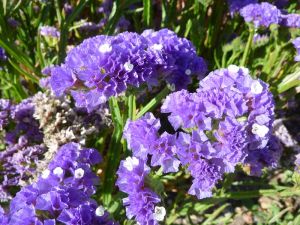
236	5
3	56
23	141
48	31
296	43
63	192
291	20
142	202
228	121
263	14
103	66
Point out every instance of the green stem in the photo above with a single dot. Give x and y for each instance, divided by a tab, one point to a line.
131	106
114	151
154	102
248	46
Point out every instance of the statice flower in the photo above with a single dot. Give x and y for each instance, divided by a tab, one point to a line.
262	14
291	20
230	115
236	5
221	125
142	203
144	140
49	31
296	43
23	145
104	66
4	112
267	157
3	56
63	192
180	58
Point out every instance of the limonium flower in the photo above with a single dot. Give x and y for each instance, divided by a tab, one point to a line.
296	43
291	20
228	121
236	5
105	66
62	193
49	31
23	145
3	56
142	203
143	139
261	14
181	59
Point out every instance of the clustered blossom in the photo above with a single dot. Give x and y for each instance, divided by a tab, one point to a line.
296	43
228	121
48	31
263	14
104	66
61	123
23	144
3	56
291	20
236	5
142	203
63	192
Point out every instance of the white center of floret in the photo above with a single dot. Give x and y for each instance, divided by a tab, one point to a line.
157	47
45	174
233	68
78	173
130	163
128	66
260	130
100	211
159	213
188	72
256	87
58	171
105	48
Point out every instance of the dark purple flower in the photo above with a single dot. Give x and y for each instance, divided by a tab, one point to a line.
3	56
62	193
105	66
141	203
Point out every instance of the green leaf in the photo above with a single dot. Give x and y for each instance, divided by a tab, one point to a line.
147	14
290	81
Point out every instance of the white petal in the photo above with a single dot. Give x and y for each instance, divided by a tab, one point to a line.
45	174
188	72
260	130
128	66
105	48
233	68
130	163
159	213
58	171
100	211
78	173
256	87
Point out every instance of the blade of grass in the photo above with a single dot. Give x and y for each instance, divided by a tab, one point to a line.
147	14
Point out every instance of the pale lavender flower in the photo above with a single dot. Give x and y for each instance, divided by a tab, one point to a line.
49	31
296	43
262	14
